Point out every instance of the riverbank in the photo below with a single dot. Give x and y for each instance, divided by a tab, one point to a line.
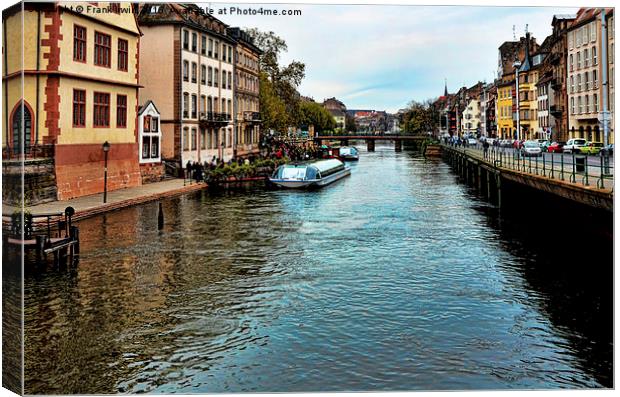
87	206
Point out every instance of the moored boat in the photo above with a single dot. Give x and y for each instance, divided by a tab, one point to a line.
348	153
311	174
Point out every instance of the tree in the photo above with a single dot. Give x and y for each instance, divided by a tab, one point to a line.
284	79
273	109
419	117
312	113
350	125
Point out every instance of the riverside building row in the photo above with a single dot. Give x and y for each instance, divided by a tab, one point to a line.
561	86
161	83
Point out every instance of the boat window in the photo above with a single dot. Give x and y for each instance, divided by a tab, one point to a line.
293	173
311	173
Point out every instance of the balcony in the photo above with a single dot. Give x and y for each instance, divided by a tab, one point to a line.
253	117
556	110
214	118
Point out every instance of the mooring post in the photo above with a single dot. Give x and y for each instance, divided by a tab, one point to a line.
40	241
160	218
488	175
498	182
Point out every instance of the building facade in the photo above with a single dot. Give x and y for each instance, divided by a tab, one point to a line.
585	70
246	94
470	122
80	80
193	87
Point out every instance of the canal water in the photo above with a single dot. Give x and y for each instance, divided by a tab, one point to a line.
397	278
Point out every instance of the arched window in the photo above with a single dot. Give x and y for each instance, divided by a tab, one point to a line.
21	139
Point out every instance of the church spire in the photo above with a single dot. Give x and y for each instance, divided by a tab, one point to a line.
445	90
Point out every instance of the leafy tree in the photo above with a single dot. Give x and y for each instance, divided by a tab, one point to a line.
419	117
273	109
312	113
284	79
350	125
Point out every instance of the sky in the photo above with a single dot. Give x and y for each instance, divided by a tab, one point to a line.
381	57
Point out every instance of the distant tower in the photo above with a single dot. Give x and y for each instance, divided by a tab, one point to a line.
445	90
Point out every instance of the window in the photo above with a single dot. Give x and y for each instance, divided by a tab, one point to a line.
229	108
216	54
194	42
594	58
223	79
595	102
587	103
223	110
185	40
570	62
229	54
216	77
185	71
586	58
102	49
224	46
586	81
592	31
123	48
577	38
594	79
79	108
210	78
194	105
578	60
584	32
194	71
193	139
101	109
579	83
79	43
203	140
185	105
580	105
210	47
572	105
185	139
203	103
203	74
230	80
203	44
121	111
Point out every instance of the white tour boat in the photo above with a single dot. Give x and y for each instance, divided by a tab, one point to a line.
311	174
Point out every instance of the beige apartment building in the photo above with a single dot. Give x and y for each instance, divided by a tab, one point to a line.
246	102
585	71
186	66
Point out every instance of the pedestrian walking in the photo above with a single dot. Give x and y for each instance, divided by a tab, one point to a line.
485	147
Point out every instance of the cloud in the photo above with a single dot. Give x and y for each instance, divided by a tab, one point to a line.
382	57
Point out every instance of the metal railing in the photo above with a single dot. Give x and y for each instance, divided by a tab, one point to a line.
587	170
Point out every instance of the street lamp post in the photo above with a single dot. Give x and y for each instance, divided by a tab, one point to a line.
106	149
517	65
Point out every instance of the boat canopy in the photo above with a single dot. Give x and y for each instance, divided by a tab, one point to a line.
348	150
308	171
327	165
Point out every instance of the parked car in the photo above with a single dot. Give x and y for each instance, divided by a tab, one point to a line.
556	147
531	148
608	149
471	141
591	148
573	145
491	141
544	145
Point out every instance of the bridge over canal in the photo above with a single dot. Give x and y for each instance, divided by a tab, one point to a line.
371	139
